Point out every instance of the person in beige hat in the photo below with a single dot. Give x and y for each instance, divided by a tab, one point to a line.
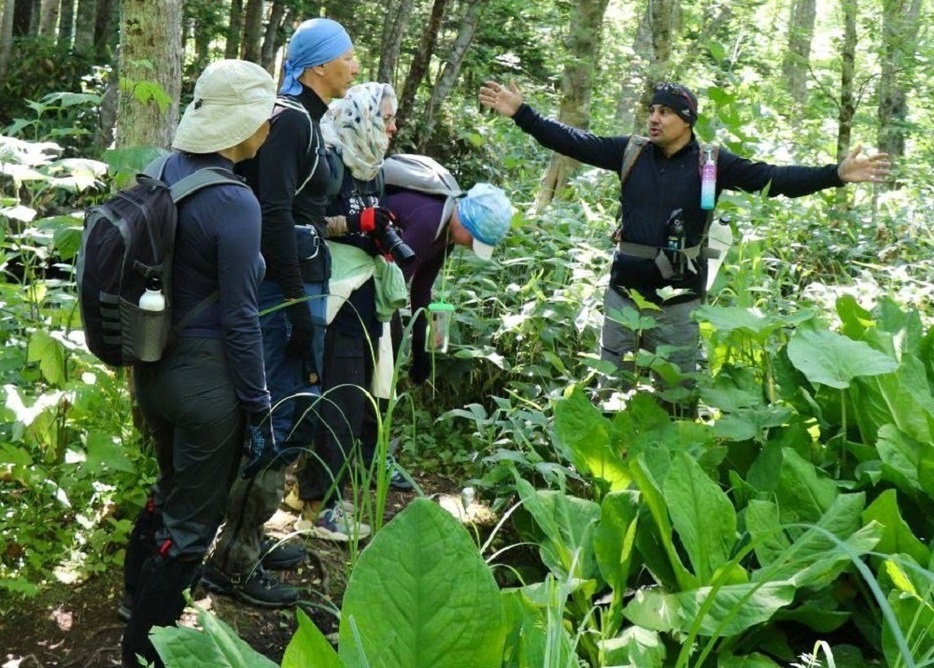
207	396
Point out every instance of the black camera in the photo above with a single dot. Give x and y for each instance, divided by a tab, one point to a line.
389	241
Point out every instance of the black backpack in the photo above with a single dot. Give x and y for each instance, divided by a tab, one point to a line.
127	245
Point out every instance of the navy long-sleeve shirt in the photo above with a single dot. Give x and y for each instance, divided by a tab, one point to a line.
217	248
657	185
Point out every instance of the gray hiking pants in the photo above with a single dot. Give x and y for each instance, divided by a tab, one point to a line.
673	327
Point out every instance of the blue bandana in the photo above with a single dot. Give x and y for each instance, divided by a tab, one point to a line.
316	42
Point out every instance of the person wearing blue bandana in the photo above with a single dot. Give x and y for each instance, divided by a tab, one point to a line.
293	178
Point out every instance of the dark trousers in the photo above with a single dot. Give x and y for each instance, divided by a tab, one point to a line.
190	405
345	409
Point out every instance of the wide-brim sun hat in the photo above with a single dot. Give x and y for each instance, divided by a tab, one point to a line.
232	99
487	214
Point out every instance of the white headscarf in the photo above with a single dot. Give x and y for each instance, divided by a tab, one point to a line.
354	127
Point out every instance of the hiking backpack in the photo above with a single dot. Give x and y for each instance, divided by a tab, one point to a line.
407	171
630	154
127	245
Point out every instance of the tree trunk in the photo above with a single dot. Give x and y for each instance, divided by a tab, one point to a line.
452	67
420	61
651	63
583	49
22	17
66	24
797	58
272	40
391	43
899	38
233	31
150	33
252	31
6	38
48	18
847	70
84	25
104	26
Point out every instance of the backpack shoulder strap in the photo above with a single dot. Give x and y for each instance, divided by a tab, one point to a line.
631	153
203	178
155	168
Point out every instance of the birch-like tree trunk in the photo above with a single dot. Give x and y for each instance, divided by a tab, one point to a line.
452	66
397	18
583	49
150	33
419	66
899	41
6	37
795	64
252	31
48	18
847	73
84	25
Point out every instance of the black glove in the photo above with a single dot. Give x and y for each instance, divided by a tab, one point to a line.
302	329
259	443
421	366
370	219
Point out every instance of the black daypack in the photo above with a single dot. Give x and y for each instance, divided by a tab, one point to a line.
127	245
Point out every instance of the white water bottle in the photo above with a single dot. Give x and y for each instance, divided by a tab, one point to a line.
708	188
153	299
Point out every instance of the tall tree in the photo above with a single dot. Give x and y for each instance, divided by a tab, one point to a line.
397	18
651	61
6	37
583	48
48	18
66	23
252	31
899	41
24	12
150	72
847	72
452	65
86	13
795	63
274	36
420	62
232	48
104	26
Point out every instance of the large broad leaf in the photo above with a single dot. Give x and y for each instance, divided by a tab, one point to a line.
635	647
754	660
613	543
217	645
902	398
901	456
732	609
421	595
828	358
897	538
584	436
804	492
915	616
701	514
568	523
50	354
537	634
654	501
309	647
808	558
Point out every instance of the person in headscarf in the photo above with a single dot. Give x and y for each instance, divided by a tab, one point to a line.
293	178
358	128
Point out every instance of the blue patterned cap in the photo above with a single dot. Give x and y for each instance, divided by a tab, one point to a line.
486	213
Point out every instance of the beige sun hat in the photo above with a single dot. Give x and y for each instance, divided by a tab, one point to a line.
232	99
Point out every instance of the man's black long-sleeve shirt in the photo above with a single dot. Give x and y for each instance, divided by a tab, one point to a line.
657	185
293	153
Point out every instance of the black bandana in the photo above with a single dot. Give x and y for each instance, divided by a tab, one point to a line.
679	99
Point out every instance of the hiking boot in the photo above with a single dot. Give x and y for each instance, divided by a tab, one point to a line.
259	588
125	609
334	524
397	478
281	556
